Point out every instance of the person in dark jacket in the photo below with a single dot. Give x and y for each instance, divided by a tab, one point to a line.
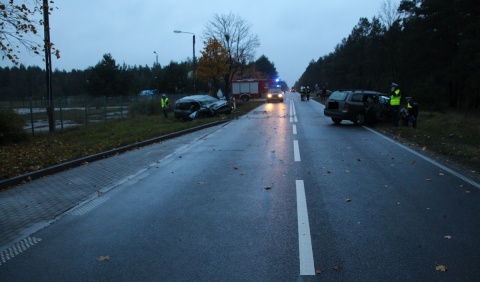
412	107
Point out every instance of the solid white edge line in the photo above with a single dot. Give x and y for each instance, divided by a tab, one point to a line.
307	266
292	111
295	115
462	177
296	151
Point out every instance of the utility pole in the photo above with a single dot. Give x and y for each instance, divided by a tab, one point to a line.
48	67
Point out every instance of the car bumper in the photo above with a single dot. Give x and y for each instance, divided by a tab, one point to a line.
346	115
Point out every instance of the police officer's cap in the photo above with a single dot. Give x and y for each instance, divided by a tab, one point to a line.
394	84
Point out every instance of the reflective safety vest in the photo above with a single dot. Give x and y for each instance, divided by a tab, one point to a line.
395	98
164	102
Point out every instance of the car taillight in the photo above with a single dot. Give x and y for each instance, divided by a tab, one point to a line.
346	106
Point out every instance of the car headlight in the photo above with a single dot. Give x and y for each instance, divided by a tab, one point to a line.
269	95
280	95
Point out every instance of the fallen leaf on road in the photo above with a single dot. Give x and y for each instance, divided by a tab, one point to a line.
103	258
318	272
448	237
428	179
414	162
337	267
348	200
268	187
235	167
441	174
441	268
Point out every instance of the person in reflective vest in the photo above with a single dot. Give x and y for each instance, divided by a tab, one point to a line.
395	98
165	102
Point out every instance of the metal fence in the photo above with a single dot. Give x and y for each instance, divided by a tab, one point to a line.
82	111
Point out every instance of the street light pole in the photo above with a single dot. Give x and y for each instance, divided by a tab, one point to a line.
156	73
156	55
179	31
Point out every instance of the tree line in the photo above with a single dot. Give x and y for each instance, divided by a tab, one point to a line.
104	79
430	47
107	78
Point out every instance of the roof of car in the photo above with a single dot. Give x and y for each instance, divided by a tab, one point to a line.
361	91
196	98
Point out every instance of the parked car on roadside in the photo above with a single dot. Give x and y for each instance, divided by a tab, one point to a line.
358	106
147	93
199	106
274	94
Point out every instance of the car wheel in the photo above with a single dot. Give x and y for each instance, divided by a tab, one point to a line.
245	98
359	118
337	120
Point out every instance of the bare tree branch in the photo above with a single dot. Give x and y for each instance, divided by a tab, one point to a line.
389	13
19	25
234	34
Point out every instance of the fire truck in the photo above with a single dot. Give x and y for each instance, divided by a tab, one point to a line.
245	89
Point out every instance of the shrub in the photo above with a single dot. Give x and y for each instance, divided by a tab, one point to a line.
11	127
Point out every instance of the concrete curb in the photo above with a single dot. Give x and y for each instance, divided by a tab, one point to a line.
78	162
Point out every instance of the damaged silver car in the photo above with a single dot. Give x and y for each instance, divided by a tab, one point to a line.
200	106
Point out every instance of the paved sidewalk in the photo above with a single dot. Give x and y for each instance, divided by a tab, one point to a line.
29	207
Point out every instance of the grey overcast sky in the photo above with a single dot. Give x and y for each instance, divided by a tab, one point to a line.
291	33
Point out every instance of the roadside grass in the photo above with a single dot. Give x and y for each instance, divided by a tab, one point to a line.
47	149
454	137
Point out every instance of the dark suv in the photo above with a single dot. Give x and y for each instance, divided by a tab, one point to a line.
358	106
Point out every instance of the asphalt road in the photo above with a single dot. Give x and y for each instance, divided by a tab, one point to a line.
281	194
